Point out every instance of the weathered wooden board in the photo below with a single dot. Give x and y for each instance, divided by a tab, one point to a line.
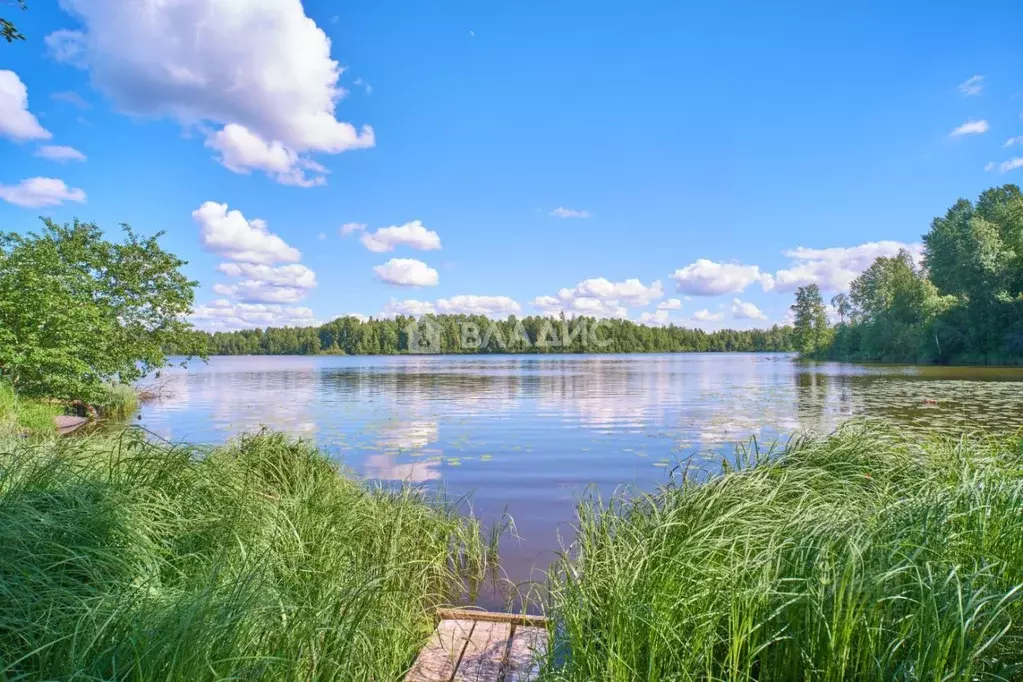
484	652
528	645
479	646
438	661
471	614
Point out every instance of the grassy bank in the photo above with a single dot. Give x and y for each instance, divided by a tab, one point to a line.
18	415
862	556
139	561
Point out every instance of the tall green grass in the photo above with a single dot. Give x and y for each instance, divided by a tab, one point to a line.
124	559
861	556
119	401
18	415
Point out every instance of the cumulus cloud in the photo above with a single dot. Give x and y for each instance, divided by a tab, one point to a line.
60	153
600	297
38	192
224	315
491	306
407	272
973	85
254	291
746	311
16	121
707	316
297	275
708	278
260	68
632	291
408	307
229	234
349	228
498	307
659	318
834	269
670	304
562	212
412	235
579	306
242	151
970	128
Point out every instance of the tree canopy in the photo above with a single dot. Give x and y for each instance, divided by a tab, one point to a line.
77	310
964	304
8	31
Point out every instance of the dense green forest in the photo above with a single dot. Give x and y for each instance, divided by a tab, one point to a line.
478	334
962	305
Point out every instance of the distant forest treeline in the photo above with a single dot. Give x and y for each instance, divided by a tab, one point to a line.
533	334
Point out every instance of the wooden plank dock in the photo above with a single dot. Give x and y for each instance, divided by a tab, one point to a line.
482	646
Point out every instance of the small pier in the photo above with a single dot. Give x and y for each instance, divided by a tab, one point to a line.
482	646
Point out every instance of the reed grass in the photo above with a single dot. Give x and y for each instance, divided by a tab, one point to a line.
127	559
866	555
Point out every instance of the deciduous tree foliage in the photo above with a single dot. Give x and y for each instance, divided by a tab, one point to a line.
8	31
810	332
965	305
77	310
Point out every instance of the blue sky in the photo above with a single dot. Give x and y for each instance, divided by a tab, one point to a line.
705	160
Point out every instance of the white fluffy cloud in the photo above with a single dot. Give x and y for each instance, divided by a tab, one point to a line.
261	68
972	86
16	121
632	291
242	151
746	311
707	316
297	275
600	297
834	269
670	304
659	318
38	192
223	315
255	291
491	306
349	228
229	234
408	307
413	235
581	305
407	272
60	153
708	278
562	212
970	128
465	304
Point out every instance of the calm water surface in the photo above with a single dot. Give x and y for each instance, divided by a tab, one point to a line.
529	434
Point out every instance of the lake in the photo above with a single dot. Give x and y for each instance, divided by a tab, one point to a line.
530	434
